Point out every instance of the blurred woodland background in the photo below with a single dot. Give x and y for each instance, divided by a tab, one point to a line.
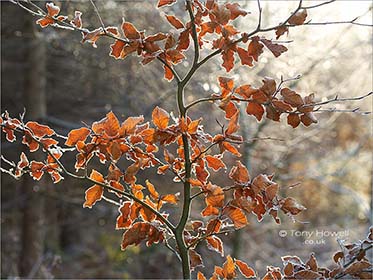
45	232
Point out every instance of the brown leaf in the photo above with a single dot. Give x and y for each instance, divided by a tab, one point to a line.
39	130
160	118
200	276
215	162
195	259
92	195
130	30
162	3
281	30
77	135
236	215
214	243
239	173
290	205
291	97
175	22
308	119
255	109
293	120
153	193
276	49
233	125
245	270
298	18
229	269
255	48
108	126
141	231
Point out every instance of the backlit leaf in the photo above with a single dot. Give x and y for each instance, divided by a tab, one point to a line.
160	118
245	269
77	135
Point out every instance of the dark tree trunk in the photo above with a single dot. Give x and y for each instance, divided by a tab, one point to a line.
35	103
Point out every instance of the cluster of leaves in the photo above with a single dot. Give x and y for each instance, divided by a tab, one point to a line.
180	145
351	262
138	142
264	100
211	21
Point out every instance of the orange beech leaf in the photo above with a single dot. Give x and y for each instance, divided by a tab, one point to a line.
39	130
129	125
77	135
229	269
193	126
36	170
213	226
168	75
23	162
255	109
291	97
92	195
139	232
245	270
298	18
130	30
293	120
215	163
77	21
281	31
236	215
183	40
200	276
276	49
233	125
226	84
47	142
160	118
239	173
214	243
131	171
210	211
162	169
124	221
153	193
174	21
255	48
290	205
170	198
108	126
30	142
96	176
307	274
162	3
312	262
230	148
117	49
230	109
228	59
215	195
114	149
53	11
195	259
92	36
196	225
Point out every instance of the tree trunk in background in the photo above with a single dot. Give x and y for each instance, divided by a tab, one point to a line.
31	257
